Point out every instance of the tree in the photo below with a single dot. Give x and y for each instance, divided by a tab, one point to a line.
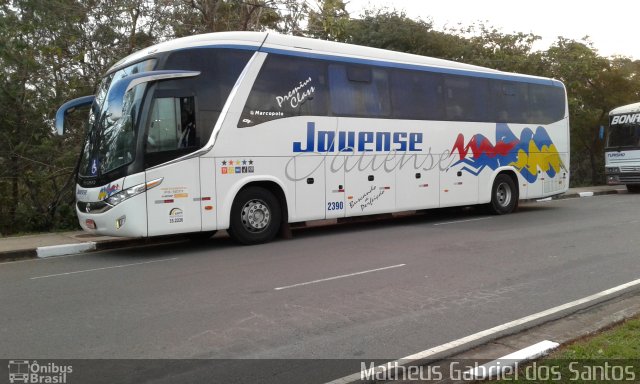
34	38
189	17
56	50
595	85
327	20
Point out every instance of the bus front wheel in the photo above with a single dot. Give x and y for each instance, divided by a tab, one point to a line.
255	216
504	195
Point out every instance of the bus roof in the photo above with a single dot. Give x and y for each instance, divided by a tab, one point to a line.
303	46
629	108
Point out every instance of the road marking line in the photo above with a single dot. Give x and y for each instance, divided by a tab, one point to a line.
101	269
462	221
429	353
498	366
339	277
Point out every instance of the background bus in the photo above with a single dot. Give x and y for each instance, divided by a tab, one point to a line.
246	131
622	147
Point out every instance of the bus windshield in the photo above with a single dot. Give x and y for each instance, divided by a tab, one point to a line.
624	135
110	143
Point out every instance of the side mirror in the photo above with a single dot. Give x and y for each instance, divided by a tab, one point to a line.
69	107
119	89
601	133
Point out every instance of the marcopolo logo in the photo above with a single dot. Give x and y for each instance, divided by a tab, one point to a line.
31	372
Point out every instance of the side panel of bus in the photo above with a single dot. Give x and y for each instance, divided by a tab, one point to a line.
312	129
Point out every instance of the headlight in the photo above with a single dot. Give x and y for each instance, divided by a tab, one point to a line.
612	170
133	191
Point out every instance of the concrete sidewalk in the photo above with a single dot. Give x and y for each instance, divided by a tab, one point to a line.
64	243
596	190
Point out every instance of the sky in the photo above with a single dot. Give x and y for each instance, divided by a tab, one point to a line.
612	25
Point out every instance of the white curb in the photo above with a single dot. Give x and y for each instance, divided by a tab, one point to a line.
474	339
586	194
497	367
65	249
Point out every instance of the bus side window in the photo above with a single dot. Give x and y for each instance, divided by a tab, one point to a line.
466	98
416	95
511	102
286	86
547	104
359	91
172	125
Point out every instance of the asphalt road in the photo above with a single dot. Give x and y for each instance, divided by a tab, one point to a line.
379	290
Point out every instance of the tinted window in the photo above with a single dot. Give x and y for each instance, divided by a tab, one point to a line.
466	98
511	102
359	91
417	95
219	70
286	86
173	124
546	103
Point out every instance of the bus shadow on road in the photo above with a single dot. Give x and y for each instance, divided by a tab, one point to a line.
179	244
168	246
368	223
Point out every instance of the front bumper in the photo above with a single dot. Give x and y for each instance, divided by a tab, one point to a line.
623	178
127	219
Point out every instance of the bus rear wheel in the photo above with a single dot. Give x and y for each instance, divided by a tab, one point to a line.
255	216
504	195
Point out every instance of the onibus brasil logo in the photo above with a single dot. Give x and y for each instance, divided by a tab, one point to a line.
32	372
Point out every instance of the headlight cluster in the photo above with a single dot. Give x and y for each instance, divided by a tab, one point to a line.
131	192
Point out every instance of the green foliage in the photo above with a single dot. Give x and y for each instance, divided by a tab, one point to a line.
595	85
328	20
591	359
620	342
55	50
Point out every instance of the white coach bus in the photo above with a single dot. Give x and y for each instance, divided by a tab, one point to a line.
248	131
622	148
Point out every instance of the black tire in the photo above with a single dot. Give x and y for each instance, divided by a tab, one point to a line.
200	236
504	195
255	216
633	188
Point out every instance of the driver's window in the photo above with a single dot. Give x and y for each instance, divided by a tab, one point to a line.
172	125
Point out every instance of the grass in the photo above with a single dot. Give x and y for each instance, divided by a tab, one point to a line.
611	356
619	342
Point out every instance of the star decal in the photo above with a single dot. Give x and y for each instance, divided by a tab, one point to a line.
250	162
230	162
224	162
244	162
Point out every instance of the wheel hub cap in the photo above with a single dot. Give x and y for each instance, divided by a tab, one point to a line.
503	194
255	215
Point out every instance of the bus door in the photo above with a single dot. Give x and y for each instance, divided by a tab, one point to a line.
208	204
174	206
417	182
311	159
335	182
370	179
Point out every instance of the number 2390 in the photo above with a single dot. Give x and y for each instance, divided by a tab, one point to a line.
335	206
